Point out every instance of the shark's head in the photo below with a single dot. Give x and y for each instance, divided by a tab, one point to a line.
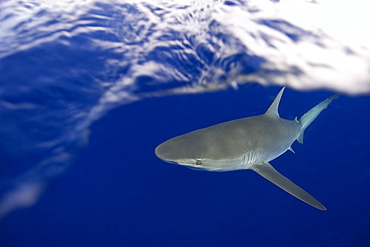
194	151
179	151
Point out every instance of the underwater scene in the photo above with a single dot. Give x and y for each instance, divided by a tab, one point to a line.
267	103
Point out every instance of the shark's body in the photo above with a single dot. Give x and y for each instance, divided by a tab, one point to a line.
247	143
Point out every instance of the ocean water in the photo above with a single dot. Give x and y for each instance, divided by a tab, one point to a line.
88	89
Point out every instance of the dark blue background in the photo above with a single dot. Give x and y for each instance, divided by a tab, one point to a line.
118	193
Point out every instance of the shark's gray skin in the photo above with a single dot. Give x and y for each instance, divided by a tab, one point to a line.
246	143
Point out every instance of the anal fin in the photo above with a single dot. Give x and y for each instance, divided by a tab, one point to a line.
269	172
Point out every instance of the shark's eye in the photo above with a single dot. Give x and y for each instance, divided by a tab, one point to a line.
198	162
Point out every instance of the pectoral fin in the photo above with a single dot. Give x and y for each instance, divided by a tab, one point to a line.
269	172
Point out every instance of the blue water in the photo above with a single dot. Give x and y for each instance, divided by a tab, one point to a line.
84	102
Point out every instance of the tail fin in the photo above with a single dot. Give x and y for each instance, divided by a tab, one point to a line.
312	114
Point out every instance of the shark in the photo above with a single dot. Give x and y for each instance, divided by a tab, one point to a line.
245	144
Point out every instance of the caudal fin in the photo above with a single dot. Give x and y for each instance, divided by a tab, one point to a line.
312	114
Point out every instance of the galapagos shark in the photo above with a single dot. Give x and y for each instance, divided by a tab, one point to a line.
246	143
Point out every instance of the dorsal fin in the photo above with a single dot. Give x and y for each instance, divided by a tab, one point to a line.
274	107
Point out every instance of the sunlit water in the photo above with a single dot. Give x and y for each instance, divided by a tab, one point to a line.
64	64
